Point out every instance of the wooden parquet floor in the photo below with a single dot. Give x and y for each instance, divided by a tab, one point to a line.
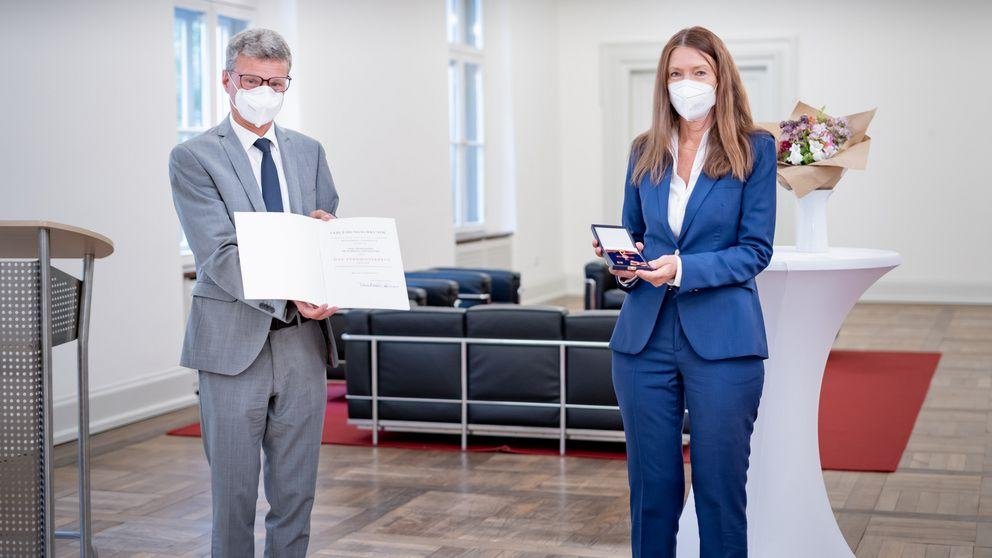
151	495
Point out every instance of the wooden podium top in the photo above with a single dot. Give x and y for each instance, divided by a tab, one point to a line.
19	239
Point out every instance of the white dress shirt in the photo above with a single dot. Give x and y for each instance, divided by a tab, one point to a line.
247	139
679	193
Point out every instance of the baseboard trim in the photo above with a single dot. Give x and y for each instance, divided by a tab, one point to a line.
929	293
126	402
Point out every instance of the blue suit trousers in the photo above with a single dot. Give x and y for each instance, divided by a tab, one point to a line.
654	387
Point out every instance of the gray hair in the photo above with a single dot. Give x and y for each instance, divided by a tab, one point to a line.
264	44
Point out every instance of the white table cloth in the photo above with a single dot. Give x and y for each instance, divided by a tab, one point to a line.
805	298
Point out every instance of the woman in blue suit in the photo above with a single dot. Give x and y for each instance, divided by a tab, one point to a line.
700	201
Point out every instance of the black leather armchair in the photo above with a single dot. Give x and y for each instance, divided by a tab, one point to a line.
602	291
473	287
505	283
417	295
440	292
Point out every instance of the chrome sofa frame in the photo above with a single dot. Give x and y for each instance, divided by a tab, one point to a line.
464	428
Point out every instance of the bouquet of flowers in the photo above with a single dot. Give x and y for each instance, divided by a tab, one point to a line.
811	139
815	149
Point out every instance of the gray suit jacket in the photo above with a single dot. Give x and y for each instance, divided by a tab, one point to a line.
211	179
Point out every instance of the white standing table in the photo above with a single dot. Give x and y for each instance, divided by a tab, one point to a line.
805	298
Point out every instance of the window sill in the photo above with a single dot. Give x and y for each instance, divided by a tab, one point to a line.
465	237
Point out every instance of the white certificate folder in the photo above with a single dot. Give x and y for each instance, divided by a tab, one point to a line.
348	263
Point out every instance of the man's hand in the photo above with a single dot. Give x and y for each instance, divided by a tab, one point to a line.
313	311
625	275
663	272
322	215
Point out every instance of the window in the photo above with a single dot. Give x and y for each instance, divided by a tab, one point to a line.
227	27
200	33
200	39
187	36
466	132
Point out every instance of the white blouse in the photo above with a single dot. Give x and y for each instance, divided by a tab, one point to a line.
679	192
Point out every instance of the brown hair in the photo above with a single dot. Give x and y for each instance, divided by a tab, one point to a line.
728	149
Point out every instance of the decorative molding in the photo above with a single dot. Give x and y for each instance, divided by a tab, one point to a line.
779	56
126	402
477	236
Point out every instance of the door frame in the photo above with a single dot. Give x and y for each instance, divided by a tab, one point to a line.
618	61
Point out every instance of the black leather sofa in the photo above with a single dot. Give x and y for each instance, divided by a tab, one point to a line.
505	283
418	297
444	286
440	292
601	290
473	287
513	381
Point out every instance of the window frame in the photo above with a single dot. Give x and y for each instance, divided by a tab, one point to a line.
212	62
460	54
213	54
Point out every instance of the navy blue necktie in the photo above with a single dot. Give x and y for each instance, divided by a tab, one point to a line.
270	178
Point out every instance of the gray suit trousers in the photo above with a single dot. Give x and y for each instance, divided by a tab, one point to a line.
277	406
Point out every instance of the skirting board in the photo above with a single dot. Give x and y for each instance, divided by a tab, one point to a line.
127	402
930	293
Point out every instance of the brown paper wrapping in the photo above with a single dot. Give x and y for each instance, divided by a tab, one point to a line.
825	174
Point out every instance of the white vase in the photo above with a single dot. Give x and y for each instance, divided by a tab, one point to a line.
811	222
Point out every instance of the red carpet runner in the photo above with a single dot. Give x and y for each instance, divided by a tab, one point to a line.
868	406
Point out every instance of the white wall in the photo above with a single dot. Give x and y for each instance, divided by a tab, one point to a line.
924	193
522	131
371	84
282	16
88	128
371	78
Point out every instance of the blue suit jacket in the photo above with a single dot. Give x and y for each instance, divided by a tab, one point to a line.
726	240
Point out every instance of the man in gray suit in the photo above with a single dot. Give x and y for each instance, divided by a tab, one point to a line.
261	362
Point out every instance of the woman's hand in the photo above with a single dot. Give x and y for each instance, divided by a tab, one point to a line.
625	275
663	272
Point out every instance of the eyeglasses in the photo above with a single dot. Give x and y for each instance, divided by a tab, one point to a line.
248	81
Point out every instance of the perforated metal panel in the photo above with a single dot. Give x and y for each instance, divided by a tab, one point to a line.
65	306
22	436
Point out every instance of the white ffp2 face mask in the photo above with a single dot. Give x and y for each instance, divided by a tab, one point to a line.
259	105
692	99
